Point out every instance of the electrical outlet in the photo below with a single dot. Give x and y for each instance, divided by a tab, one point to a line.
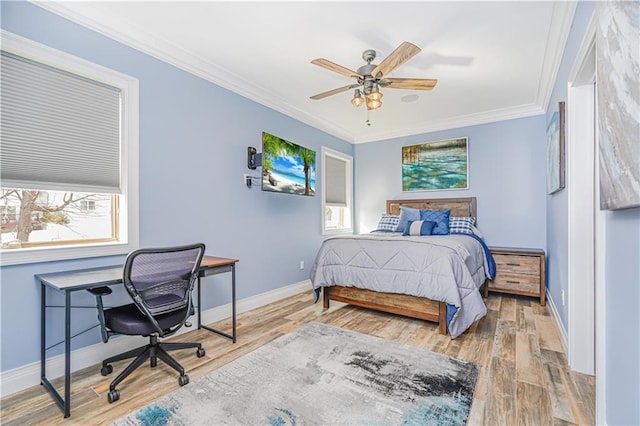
562	293
301	264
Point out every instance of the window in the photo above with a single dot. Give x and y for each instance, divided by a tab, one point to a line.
68	156
337	192
87	206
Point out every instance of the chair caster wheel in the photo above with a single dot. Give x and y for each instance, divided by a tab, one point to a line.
113	396
183	380
200	352
106	370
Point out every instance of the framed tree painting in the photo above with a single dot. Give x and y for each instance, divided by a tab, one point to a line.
555	151
435	166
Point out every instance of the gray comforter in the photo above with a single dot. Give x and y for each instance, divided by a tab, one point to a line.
448	268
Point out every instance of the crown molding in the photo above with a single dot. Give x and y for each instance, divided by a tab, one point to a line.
459	122
559	28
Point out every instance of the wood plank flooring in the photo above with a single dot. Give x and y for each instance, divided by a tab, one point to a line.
524	377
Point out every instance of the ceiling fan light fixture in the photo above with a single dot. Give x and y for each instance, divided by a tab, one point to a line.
373	103
358	99
375	94
370	77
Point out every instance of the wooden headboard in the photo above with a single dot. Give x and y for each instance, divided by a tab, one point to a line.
458	206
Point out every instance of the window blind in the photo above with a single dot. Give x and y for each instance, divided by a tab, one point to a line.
60	131
335	181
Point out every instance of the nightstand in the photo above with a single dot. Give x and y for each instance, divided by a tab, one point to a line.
519	271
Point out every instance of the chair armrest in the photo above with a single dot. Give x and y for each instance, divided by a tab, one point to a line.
100	291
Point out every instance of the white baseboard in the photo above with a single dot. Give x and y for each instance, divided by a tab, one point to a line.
564	339
21	378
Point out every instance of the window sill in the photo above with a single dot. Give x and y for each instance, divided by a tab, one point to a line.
49	254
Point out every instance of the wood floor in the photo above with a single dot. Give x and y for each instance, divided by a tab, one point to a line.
524	378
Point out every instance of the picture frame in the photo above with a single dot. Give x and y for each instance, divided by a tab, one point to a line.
556	150
436	166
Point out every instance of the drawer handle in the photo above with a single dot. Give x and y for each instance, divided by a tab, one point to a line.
513	264
513	282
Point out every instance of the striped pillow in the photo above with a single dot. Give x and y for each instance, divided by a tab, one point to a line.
419	227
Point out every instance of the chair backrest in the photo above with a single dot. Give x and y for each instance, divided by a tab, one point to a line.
161	280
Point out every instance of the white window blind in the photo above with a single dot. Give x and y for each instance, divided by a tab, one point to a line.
335	180
60	131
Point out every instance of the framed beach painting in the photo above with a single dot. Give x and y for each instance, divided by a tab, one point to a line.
555	151
617	59
435	166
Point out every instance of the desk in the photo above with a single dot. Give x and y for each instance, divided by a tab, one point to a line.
71	281
219	265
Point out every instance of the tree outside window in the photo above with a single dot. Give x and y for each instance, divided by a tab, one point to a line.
35	217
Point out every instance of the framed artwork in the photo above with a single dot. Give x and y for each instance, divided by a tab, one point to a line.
555	151
435	166
617	59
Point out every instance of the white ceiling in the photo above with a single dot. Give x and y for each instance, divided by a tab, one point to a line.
493	60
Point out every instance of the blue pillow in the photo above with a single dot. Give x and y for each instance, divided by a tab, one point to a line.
419	227
407	214
388	222
440	217
461	225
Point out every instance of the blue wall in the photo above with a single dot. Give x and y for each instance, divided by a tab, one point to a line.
622	268
622	287
193	143
622	280
557	203
506	173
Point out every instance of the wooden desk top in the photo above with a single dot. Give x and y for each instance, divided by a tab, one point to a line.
213	261
110	275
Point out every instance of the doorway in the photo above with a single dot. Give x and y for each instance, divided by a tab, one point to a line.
586	301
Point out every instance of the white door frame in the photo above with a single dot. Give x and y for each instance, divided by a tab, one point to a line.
586	302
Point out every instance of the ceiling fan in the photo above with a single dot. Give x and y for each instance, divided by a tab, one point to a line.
371	77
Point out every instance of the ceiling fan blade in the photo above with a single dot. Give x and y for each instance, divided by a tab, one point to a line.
324	63
334	91
409	83
402	54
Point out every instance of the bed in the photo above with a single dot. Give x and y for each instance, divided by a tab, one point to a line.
433	278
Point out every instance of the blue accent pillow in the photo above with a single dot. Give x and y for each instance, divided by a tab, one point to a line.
419	227
388	223
407	214
461	225
440	217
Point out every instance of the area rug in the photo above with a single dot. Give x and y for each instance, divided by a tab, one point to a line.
320	374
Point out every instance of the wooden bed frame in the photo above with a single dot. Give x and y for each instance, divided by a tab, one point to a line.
402	304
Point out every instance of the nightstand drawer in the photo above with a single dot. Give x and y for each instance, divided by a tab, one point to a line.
519	271
516	264
521	283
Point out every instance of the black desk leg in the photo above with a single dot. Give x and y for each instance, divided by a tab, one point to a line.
67	354
233	300
233	309
43	333
64	404
199	304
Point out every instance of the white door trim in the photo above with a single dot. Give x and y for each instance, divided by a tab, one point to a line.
586	352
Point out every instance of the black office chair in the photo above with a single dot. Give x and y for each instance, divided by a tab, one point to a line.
160	281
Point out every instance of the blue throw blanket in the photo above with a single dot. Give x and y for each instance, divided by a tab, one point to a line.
491	271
